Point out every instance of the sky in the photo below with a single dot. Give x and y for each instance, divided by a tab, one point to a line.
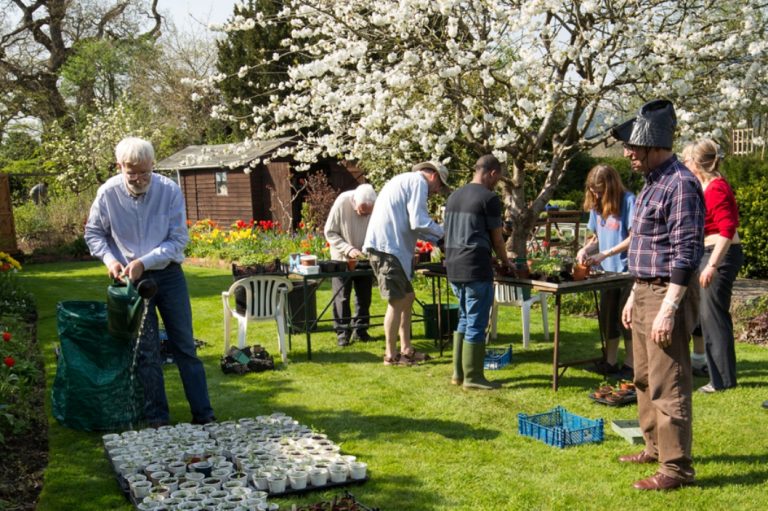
189	14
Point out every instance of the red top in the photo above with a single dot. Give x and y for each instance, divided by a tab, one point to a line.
722	215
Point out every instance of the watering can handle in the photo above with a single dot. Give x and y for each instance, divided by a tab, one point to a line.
126	281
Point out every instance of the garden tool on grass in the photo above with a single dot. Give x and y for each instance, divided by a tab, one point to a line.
125	306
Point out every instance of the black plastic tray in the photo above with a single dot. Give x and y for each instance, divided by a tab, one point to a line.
629	398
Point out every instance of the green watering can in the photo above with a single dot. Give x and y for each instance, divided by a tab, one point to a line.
125	307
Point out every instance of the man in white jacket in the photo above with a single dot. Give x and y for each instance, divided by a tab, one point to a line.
345	232
399	218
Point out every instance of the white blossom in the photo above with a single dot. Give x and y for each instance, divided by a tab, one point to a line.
396	80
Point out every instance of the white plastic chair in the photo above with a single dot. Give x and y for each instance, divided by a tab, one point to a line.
507	294
265	299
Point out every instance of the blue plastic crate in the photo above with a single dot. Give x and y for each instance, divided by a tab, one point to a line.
560	428
496	358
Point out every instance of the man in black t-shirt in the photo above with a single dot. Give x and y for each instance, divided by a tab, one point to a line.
472	232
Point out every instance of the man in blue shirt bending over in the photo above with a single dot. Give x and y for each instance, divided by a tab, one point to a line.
137	227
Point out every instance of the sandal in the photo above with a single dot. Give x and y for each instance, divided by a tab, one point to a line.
415	356
392	361
398	360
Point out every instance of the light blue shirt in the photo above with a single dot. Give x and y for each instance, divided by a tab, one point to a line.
400	217
613	230
151	227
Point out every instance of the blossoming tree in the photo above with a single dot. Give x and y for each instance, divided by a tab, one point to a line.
533	81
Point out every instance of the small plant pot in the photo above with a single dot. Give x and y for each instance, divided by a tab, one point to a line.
140	489
276	484
627	385
213	482
580	271
318	476
338	474
298	479
357	470
261	482
172	483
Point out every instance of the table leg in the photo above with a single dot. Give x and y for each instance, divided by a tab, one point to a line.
439	311
306	320
599	326
556	362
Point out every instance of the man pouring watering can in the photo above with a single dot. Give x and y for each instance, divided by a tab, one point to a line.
137	227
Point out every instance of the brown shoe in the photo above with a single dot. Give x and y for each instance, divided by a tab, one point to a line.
659	481
641	457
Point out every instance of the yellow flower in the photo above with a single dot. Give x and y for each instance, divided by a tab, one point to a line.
8	263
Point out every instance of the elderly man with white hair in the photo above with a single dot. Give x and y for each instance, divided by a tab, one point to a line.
137	227
345	232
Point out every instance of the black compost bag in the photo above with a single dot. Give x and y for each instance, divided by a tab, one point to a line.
93	389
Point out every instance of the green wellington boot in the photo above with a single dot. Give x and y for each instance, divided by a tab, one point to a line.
473	357
458	370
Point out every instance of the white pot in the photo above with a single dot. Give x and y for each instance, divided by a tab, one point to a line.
298	479
276	484
140	489
357	470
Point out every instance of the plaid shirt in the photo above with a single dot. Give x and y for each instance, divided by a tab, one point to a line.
668	225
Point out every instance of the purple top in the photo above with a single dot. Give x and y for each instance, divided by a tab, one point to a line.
668	225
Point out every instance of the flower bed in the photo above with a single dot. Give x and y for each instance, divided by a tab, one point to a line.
23	425
253	242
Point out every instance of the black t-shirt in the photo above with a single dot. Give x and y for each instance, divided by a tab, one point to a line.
471	213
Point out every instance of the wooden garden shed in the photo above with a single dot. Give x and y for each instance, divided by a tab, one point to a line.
223	183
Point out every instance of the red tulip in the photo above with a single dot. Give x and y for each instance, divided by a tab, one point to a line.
9	361
6	336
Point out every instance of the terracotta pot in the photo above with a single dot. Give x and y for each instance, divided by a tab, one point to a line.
580	271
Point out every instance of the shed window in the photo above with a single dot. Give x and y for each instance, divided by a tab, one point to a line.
221	183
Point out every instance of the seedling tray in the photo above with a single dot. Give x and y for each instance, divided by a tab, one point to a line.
560	428
628	398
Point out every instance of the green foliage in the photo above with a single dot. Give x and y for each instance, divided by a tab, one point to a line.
84	156
242	48
744	170
15	300
98	69
56	227
19	154
753	228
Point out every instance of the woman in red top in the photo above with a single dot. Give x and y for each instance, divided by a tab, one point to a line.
719	266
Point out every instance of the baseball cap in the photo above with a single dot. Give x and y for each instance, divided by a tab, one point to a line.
441	170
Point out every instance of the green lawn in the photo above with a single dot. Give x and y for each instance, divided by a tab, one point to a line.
429	445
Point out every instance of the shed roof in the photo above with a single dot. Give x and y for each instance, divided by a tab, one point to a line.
220	155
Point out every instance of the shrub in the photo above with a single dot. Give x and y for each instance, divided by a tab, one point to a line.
54	227
318	201
753	229
744	170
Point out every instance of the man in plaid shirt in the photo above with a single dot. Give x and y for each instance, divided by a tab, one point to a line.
666	244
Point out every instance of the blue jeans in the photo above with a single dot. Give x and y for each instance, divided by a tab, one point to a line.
475	302
172	301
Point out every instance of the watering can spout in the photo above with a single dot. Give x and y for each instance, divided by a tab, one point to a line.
125	306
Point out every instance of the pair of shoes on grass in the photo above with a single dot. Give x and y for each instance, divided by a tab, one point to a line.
409	358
